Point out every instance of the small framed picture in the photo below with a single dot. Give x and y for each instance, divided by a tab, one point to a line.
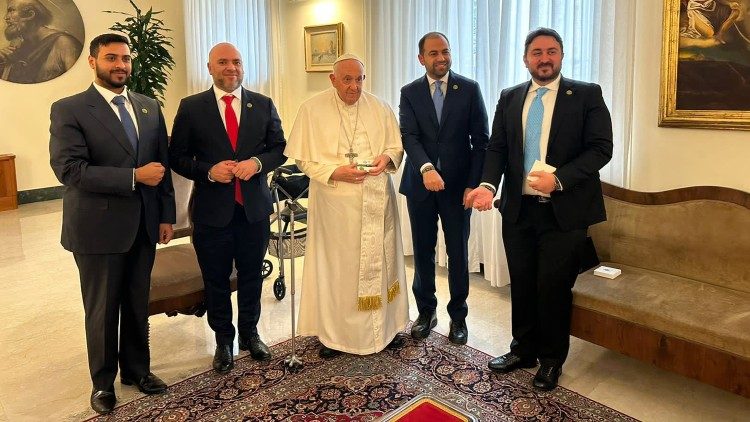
323	44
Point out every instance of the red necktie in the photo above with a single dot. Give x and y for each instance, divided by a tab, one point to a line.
232	131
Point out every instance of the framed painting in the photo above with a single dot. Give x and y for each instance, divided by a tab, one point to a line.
323	44
705	68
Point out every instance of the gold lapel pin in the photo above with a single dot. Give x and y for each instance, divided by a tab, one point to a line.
569	92
249	105
455	86
144	111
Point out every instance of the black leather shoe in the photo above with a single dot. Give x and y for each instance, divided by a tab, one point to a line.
509	362
223	359
422	326
398	342
258	350
327	352
459	333
546	377
103	401
150	384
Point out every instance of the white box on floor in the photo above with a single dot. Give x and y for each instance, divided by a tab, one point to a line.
607	272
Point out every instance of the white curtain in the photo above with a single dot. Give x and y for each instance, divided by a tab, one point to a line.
487	44
245	23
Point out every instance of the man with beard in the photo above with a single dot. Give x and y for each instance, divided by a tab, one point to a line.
444	132
227	139
562	127
108	146
37	53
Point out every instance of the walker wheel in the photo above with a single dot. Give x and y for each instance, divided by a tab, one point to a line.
279	288
267	268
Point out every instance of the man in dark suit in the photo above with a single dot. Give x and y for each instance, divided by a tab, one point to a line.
444	131
108	146
227	139
546	211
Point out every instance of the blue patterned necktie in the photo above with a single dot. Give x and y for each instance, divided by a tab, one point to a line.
127	121
438	98
533	130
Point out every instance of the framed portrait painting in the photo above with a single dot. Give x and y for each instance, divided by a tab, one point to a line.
323	44
705	69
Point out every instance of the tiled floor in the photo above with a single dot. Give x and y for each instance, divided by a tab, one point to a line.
43	353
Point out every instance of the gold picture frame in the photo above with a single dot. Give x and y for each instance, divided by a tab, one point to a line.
704	58
323	44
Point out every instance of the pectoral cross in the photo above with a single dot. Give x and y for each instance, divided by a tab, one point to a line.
351	155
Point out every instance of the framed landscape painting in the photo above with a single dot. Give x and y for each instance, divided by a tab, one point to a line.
323	44
705	69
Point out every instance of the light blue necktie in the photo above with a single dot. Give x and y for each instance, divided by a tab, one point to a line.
438	98
127	121
533	130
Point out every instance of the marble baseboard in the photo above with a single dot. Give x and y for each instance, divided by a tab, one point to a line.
41	194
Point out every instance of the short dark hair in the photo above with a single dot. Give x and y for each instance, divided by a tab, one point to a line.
433	34
541	32
106	39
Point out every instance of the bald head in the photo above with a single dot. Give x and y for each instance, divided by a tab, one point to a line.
225	66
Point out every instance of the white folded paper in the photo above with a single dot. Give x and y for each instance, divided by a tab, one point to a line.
607	272
540	166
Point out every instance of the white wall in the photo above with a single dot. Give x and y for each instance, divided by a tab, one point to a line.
668	158
24	109
296	84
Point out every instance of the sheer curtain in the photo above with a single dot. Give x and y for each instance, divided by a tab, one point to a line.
487	43
245	23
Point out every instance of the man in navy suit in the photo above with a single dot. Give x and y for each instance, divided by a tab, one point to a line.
444	131
108	146
564	124
227	139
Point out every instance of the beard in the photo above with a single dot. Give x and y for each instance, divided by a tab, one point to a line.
112	79
14	30
551	75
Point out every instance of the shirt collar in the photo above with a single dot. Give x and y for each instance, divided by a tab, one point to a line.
218	92
109	95
552	86
444	79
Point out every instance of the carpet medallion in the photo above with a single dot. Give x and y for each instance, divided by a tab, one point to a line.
362	388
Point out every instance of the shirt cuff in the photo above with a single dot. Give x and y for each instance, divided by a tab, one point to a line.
558	184
133	185
257	161
421	169
489	187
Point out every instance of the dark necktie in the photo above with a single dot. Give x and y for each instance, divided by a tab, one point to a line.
233	130
534	119
127	121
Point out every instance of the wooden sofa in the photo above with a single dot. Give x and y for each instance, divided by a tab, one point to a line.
682	301
176	281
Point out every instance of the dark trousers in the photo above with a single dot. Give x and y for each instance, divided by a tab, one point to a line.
423	216
115	289
543	262
241	245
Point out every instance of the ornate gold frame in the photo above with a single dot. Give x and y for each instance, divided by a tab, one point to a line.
668	113
310	31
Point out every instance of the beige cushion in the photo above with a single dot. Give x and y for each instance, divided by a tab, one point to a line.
176	273
699	312
702	240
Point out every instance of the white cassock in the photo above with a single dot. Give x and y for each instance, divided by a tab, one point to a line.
353	294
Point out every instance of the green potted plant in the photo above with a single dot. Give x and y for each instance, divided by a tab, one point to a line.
152	62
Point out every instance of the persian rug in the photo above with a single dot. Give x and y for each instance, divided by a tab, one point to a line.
362	388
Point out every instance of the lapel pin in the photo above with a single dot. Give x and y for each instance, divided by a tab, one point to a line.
249	105
455	86
569	92
144	111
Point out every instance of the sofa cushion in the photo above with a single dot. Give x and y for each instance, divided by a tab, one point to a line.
704	313
176	272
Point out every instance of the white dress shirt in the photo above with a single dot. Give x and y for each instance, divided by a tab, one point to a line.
549	107
109	96
236	103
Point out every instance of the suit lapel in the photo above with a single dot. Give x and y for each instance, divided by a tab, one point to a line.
515	112
426	99
215	122
141	112
102	112
246	111
451	93
564	98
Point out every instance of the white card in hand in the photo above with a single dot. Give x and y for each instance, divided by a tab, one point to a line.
540	166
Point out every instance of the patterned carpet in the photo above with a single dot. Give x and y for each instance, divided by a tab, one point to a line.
362	388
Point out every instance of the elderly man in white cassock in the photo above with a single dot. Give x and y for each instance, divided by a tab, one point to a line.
353	283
